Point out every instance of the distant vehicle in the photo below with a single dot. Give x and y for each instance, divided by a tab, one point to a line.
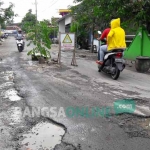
4	35
20	44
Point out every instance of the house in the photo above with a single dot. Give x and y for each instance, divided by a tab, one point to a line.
64	23
12	28
64	12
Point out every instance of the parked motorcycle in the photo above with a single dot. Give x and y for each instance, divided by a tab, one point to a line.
3	37
20	44
113	62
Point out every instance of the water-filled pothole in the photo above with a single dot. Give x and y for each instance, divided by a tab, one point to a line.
43	136
12	95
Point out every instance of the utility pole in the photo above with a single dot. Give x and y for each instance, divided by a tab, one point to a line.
36	19
36	9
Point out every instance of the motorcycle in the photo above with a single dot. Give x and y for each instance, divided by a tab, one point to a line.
113	62
20	44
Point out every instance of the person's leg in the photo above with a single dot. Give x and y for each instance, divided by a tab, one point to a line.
102	50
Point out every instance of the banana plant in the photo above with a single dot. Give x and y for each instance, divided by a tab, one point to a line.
40	39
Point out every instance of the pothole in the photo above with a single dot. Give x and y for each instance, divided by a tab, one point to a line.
44	136
133	116
12	95
137	127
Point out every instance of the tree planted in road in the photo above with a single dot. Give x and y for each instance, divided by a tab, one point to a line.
40	38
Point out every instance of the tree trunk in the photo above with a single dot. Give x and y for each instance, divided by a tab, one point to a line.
148	27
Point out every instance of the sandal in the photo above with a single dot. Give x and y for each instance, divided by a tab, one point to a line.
99	62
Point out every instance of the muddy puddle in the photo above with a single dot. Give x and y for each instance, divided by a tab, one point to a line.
44	136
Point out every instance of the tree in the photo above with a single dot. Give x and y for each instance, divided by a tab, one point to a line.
53	28
28	21
47	22
133	13
6	14
81	31
40	38
87	20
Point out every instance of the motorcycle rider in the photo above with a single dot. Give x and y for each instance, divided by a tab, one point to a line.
20	36
115	39
103	47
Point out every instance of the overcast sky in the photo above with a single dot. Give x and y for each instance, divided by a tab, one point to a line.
46	8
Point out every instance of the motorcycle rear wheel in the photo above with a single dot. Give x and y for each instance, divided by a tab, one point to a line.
116	75
99	68
20	48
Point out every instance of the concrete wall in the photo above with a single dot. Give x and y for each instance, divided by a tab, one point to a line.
62	26
68	20
96	42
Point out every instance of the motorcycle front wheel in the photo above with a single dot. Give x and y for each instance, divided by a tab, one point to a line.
99	68
20	48
116	74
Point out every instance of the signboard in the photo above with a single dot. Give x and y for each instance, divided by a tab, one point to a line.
67	41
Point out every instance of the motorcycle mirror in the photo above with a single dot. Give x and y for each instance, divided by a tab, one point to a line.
99	32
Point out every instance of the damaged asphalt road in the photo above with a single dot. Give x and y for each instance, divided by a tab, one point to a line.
25	85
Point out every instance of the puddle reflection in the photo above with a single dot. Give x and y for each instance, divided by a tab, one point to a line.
43	135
